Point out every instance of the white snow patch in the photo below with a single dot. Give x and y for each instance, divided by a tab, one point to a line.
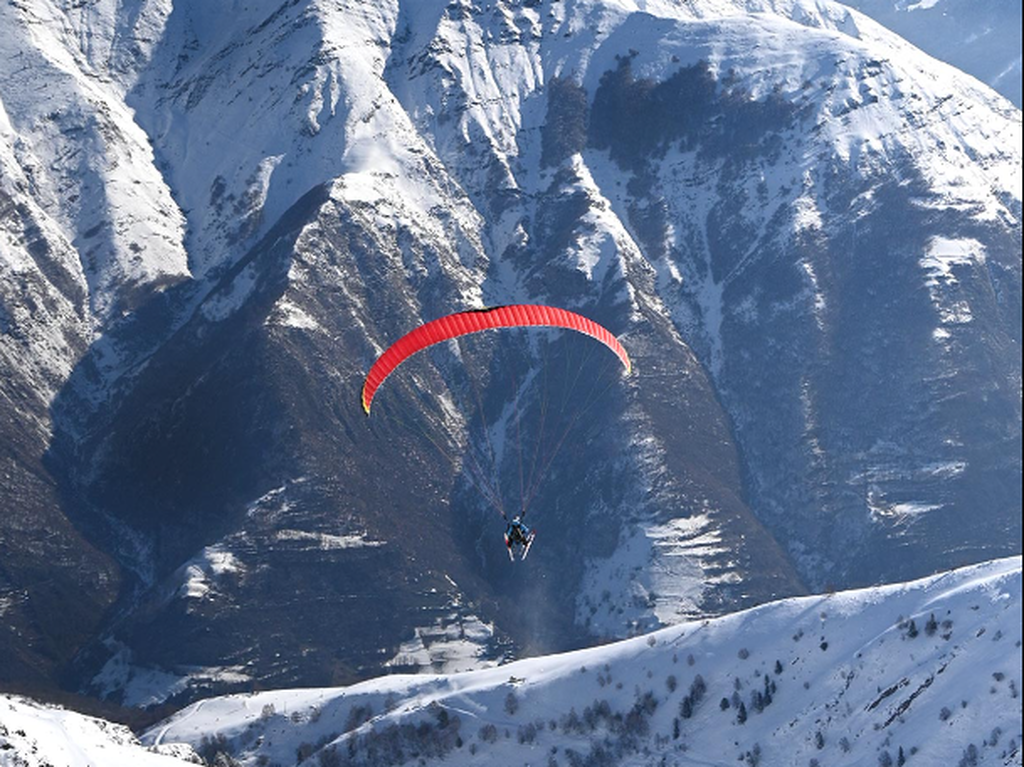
940	262
656	576
900	512
198	576
274	503
945	469
453	644
913	508
326	541
142	686
678	581
806	214
944	254
955	313
289	315
819	296
137	685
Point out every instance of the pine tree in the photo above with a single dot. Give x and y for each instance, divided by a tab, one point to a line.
511	704
686	708
697	689
757	701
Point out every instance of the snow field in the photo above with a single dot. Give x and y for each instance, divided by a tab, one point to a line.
930	669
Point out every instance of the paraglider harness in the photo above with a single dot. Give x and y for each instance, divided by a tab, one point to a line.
518	536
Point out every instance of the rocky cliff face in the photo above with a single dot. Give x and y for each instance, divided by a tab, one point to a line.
805	232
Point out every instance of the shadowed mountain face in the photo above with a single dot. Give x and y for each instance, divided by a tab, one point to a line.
810	251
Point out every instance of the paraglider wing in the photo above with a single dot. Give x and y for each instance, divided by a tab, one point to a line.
464	323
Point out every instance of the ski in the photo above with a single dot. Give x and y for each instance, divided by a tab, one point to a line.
529	543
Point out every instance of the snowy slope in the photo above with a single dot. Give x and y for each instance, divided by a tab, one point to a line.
72	146
928	671
34	735
983	38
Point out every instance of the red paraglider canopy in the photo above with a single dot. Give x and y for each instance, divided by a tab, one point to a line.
464	323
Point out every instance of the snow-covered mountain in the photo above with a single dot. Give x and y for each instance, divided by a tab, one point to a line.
981	37
215	216
925	673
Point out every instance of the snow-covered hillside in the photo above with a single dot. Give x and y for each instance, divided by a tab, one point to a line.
981	37
34	735
926	673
